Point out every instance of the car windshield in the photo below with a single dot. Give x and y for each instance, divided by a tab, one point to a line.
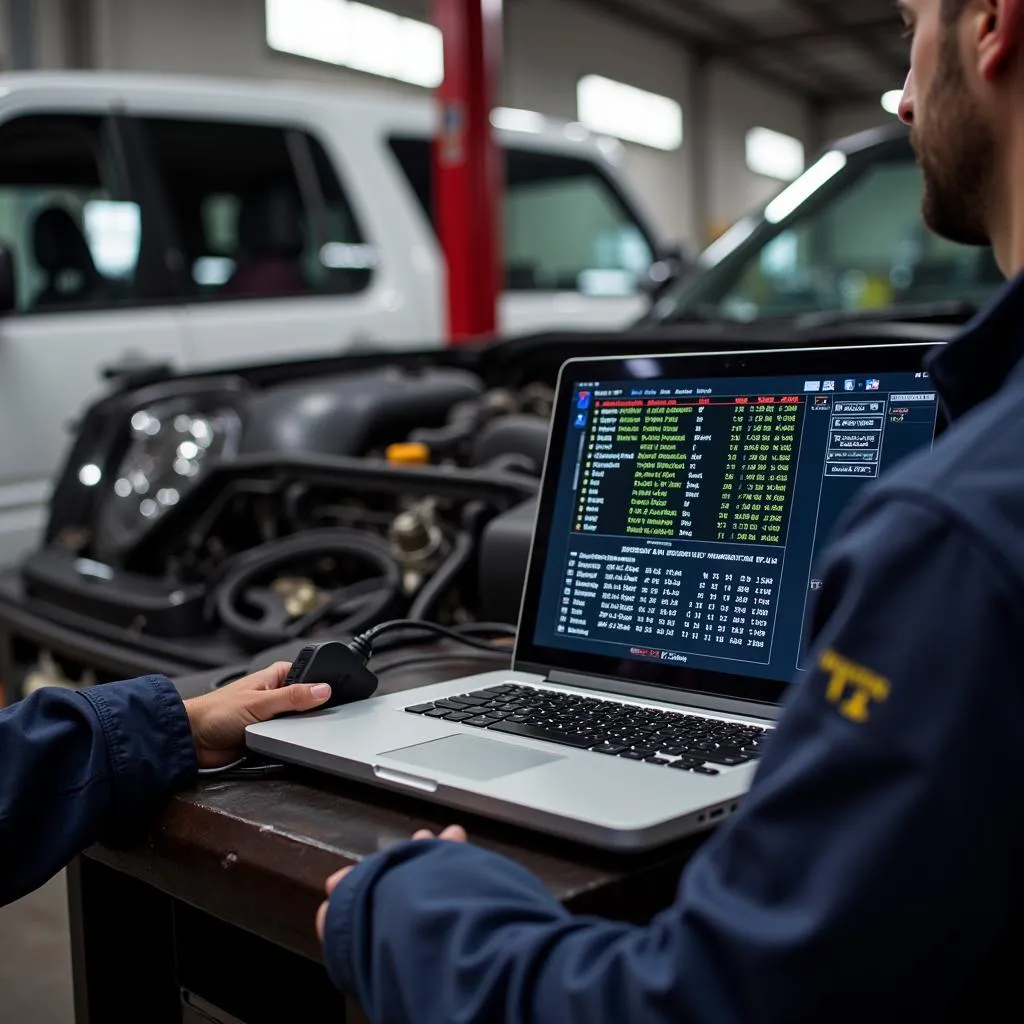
855	243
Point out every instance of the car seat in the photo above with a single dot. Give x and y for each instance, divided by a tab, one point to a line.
271	241
62	253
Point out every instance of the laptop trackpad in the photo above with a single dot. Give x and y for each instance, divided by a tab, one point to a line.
470	757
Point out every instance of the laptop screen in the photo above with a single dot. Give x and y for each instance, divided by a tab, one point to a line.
687	500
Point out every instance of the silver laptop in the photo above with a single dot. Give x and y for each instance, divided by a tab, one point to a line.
684	503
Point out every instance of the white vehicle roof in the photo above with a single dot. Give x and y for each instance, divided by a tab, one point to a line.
271	99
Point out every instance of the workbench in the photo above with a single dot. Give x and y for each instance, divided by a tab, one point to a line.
207	911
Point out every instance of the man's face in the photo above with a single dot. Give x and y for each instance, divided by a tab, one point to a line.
953	141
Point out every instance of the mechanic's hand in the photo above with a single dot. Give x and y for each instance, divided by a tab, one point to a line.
454	834
219	718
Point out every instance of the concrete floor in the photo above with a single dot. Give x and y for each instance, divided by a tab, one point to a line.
35	958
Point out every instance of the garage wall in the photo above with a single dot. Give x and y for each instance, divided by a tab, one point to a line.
739	103
850	120
544	60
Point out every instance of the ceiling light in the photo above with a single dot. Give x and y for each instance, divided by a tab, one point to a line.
891	101
625	112
774	155
357	36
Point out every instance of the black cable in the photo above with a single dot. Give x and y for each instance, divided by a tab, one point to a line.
262	561
363	644
433	590
497	629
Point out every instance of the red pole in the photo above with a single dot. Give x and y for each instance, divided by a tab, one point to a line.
467	165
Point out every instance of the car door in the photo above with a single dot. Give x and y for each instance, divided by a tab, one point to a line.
574	251
90	293
278	263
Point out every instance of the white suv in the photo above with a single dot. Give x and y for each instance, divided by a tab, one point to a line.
204	223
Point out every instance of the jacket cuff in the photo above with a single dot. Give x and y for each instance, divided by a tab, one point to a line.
351	896
148	739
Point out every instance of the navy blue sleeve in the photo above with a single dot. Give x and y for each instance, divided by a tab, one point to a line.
75	763
865	876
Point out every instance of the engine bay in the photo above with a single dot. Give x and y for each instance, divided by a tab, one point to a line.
201	519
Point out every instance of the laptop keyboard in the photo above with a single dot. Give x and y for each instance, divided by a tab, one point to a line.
668	738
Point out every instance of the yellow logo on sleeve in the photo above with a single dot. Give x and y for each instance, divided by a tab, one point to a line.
852	687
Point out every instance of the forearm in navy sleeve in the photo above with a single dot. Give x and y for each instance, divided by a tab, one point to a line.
74	763
441	932
864	877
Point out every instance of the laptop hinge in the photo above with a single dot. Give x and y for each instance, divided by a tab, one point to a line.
685	698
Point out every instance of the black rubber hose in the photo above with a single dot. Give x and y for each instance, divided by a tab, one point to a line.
260	563
434	589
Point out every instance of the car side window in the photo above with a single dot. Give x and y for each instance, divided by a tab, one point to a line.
75	239
258	211
565	226
567	230
867	248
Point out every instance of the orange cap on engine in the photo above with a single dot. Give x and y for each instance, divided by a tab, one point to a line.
408	454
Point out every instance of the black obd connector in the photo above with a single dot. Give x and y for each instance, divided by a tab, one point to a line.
340	665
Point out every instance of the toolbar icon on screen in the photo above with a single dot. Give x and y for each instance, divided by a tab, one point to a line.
583	400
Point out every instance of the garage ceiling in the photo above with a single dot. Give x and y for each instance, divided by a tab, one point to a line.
833	53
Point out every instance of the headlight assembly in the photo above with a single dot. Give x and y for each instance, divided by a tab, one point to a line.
172	444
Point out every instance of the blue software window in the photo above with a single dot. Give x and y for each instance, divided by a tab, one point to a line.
691	515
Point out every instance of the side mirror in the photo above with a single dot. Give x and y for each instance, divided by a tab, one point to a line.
672	265
8	285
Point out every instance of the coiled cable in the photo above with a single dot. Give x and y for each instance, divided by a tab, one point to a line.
352	606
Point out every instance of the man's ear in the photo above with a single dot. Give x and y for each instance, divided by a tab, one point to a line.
997	31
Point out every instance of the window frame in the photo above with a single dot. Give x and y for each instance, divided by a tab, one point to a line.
297	136
128	185
599	171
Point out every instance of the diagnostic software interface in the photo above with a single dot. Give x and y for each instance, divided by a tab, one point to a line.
690	515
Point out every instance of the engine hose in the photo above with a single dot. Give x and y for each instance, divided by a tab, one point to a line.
257	567
433	590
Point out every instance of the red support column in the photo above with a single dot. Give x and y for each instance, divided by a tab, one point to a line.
468	175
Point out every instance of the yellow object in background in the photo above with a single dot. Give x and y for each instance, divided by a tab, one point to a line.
408	454
877	293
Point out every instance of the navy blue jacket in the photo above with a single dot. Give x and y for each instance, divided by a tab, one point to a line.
873	872
75	764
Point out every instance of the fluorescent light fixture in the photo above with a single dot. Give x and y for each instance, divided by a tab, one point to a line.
891	101
357	36
816	177
612	108
775	155
511	120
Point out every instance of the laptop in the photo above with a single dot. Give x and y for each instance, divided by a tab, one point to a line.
684	504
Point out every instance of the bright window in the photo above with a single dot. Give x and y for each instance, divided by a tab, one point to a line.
625	112
357	36
774	155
